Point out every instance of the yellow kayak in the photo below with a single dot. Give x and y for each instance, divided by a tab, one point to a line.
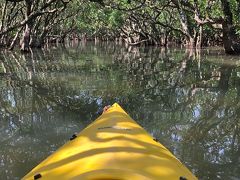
114	146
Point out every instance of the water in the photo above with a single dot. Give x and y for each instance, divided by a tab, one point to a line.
189	100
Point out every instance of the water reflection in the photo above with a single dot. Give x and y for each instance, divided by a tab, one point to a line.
188	100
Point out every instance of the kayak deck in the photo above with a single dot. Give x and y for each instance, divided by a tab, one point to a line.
114	146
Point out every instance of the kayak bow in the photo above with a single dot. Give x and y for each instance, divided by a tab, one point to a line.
114	146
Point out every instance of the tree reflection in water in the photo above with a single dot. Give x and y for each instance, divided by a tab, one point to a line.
189	100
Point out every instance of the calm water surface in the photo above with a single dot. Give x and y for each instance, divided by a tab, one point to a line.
188	100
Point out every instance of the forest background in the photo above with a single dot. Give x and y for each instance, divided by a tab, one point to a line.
194	23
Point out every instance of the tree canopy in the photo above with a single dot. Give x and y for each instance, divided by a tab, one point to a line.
191	23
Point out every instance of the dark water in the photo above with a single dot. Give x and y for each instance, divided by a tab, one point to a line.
188	100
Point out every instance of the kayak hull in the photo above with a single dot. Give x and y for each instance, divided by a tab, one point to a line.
114	146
